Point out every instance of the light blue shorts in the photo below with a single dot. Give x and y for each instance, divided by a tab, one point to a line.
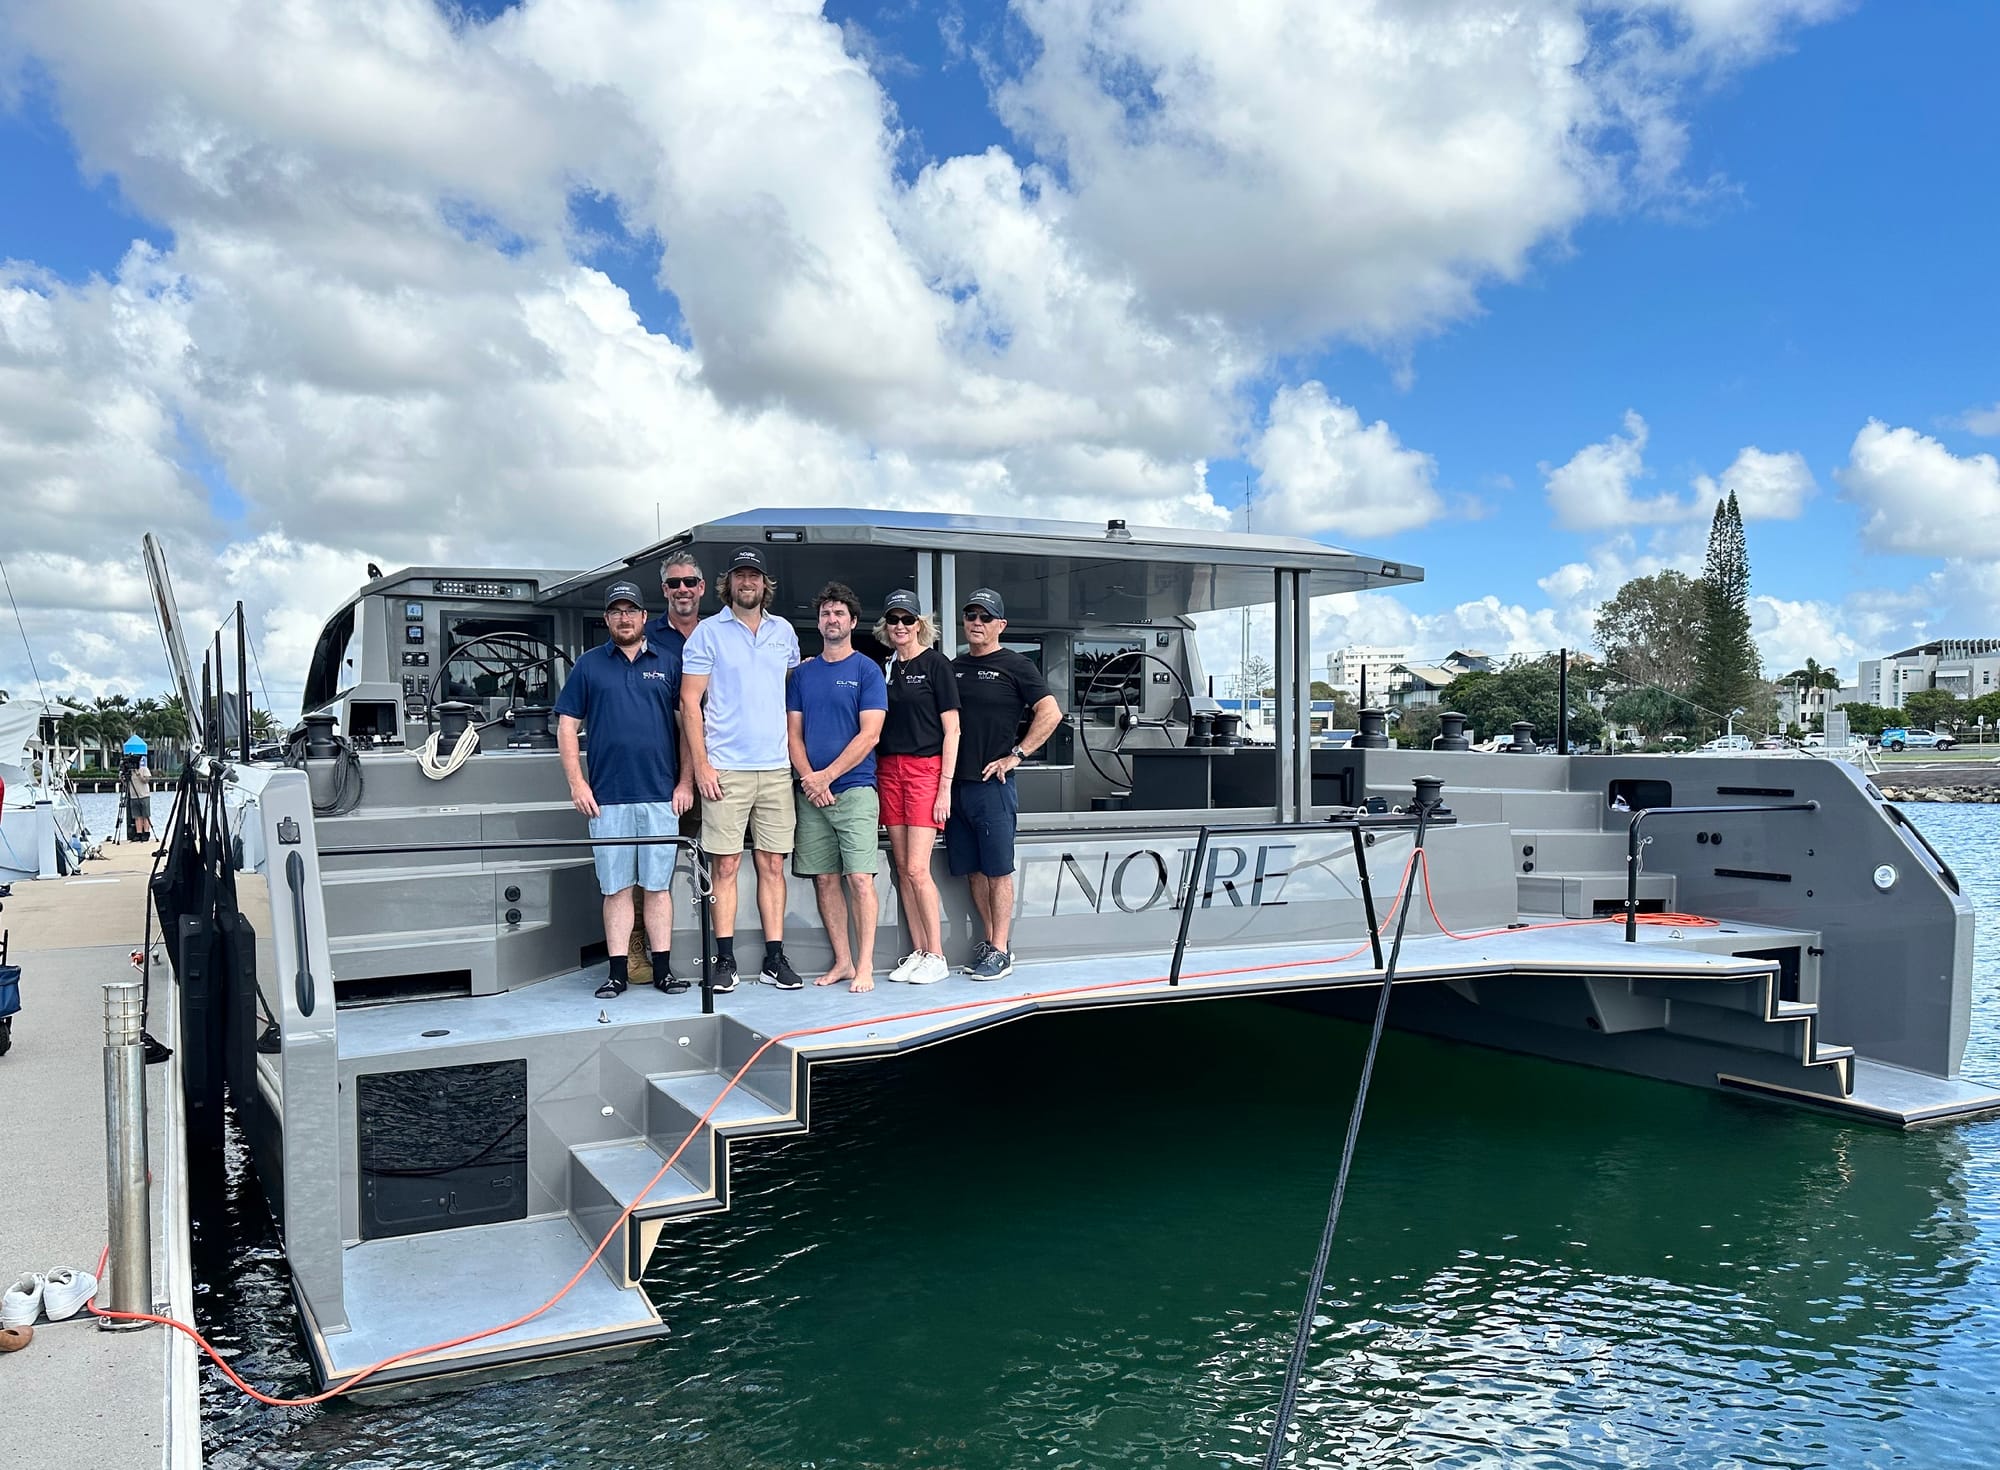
652	866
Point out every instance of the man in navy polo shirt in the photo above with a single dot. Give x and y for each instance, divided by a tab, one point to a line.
625	692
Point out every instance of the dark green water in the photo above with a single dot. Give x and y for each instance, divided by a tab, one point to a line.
1082	1242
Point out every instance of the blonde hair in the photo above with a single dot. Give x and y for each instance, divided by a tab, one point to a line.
927	633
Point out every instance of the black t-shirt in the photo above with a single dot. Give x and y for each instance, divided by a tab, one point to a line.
921	689
993	693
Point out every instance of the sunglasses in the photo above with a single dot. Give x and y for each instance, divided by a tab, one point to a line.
979	615
900	620
675	584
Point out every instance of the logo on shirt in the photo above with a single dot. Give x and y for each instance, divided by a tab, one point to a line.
652	674
988	674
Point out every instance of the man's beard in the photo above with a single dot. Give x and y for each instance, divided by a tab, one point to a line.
747	597
626	638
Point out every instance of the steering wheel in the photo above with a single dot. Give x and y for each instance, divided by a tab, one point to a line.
509	654
1129	718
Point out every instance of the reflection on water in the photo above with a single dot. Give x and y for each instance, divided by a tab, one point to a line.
1028	1247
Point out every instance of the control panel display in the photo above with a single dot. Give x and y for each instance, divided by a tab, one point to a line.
413	612
455	587
413	633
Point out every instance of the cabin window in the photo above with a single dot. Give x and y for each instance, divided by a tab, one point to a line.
332	671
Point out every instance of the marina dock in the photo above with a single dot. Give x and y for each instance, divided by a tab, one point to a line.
81	1396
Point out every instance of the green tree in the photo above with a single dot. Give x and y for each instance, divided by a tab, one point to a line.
1870	719
1932	709
1417	727
1652	712
1728	676
1650	630
1525	689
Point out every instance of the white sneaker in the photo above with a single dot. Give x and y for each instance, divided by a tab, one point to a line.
65	1291
930	969
22	1302
905	965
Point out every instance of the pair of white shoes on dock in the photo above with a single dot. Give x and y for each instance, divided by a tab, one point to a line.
919	968
58	1295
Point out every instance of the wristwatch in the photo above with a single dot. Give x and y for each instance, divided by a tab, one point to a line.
1018	753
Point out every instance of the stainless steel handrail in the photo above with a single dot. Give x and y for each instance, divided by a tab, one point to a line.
1632	845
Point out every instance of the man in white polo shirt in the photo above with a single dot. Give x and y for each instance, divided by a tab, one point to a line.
739	659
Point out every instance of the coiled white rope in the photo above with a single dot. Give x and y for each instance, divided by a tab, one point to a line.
431	766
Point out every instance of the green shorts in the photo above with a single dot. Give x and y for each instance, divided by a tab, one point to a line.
842	838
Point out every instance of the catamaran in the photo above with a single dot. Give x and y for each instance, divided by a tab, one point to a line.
385	946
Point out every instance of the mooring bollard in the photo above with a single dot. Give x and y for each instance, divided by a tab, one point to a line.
131	1216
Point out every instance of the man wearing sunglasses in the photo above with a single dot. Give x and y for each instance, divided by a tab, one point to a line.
996	687
681	582
626	692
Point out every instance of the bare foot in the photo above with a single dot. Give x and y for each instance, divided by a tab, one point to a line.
834	976
862	984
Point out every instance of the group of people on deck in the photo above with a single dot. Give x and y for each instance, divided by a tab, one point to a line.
809	759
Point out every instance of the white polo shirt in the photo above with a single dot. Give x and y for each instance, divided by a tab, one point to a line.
744	715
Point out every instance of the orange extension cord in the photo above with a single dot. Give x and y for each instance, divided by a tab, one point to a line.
348	1385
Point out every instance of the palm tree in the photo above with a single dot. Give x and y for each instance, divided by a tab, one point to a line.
1809	679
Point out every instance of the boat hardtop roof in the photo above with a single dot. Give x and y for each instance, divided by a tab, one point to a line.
1051	570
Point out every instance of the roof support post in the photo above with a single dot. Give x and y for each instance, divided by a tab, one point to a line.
1293	717
947	603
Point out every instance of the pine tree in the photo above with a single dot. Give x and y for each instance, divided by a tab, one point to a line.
1728	667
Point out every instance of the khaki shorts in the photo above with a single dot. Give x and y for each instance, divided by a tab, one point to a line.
842	838
759	802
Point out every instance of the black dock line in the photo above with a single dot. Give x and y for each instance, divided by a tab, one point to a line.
1295	1368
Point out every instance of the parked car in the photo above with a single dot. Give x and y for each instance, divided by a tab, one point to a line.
1898	738
1730	742
1815	740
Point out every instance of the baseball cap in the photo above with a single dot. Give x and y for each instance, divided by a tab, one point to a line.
904	601
748	558
624	592
987	598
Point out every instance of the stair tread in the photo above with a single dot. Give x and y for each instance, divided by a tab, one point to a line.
696	1090
624	1169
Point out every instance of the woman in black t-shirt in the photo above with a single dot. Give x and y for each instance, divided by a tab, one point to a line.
913	772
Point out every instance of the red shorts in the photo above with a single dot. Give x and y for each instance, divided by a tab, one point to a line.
908	786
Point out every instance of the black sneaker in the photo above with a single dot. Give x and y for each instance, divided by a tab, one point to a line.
722	975
995	964
668	983
979	953
779	974
612	988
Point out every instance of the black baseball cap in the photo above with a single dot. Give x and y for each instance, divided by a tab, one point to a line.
987	598
748	558
904	601
624	592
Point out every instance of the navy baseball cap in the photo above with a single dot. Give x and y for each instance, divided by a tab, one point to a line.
624	592
748	558
904	601
987	598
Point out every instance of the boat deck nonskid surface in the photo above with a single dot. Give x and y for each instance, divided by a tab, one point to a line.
893	1015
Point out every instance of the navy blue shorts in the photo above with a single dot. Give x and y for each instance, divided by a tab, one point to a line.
979	836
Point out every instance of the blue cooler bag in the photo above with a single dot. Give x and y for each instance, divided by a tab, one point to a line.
10	1002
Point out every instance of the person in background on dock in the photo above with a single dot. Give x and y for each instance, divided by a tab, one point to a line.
835	706
139	798
738	660
625	692
915	766
996	687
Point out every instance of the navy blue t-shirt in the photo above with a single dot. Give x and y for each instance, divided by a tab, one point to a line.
832	697
663	635
627	707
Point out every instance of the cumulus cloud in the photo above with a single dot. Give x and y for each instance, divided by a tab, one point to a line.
1592	490
1768	487
1921	498
1324	470
378	331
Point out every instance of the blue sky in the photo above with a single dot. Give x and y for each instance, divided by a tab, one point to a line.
561	270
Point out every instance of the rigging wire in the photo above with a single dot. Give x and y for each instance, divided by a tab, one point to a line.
18	623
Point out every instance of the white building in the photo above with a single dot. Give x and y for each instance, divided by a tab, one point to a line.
1345	667
1966	667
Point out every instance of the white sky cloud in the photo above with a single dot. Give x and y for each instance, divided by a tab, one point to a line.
1592	490
1982	421
375	326
1325	471
1769	487
1919	497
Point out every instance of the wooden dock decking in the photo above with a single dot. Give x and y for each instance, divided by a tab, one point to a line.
78	1396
